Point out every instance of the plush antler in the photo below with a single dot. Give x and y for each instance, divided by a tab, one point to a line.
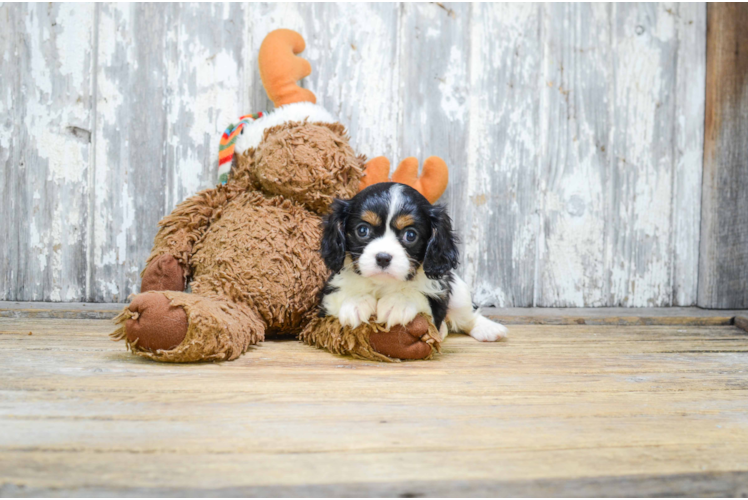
377	170
431	184
281	68
433	180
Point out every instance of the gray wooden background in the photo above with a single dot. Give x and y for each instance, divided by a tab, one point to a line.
573	134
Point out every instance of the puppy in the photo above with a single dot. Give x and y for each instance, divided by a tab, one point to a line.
392	254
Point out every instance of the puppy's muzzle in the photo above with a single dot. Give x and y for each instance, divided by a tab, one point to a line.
383	259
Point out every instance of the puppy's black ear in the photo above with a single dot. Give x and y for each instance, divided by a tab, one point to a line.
333	235
442	254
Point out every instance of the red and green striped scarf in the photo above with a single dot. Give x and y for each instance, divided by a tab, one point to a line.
226	147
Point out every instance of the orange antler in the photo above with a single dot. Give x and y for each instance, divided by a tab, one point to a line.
281	68
431	184
377	170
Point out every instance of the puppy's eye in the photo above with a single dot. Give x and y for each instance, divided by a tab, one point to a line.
363	230
410	235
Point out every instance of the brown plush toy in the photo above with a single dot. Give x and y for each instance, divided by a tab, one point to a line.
249	249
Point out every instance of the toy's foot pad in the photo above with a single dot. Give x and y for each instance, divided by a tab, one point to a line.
404	342
162	274
155	323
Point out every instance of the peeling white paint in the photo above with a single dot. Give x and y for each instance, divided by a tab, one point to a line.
38	247
453	88
501	243
571	269
109	288
40	73
354	72
68	161
74	50
211	108
689	140
128	219
46	125
640	256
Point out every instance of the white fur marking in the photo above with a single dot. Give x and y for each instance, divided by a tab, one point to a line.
443	331
486	330
399	266
398	302
401	308
408	295
356	310
462	318
395	202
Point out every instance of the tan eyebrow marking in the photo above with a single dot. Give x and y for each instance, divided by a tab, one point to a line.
404	221
371	218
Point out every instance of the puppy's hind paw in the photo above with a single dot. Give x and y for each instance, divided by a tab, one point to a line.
486	330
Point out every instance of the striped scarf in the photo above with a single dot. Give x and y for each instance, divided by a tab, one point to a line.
226	147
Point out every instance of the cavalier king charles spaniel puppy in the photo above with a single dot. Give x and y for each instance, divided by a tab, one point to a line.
392	255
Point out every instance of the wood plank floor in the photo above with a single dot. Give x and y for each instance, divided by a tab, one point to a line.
556	410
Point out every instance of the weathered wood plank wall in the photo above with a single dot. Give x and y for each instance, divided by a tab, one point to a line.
573	133
47	91
723	270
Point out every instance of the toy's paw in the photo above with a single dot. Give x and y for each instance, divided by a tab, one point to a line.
395	309
403	342
162	274
486	330
356	310
155	323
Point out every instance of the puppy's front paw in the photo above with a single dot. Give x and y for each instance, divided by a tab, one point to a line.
395	310
357	310
486	330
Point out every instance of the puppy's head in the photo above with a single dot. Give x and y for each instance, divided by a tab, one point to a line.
389	230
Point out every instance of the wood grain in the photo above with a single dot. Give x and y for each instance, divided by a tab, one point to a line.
575	152
723	262
353	49
168	85
46	93
707	484
614	230
572	408
641	156
613	316
573	135
742	322
499	222
688	150
435	92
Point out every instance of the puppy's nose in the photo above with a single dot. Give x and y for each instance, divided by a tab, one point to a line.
383	259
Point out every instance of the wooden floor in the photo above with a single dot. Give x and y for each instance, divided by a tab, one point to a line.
556	410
